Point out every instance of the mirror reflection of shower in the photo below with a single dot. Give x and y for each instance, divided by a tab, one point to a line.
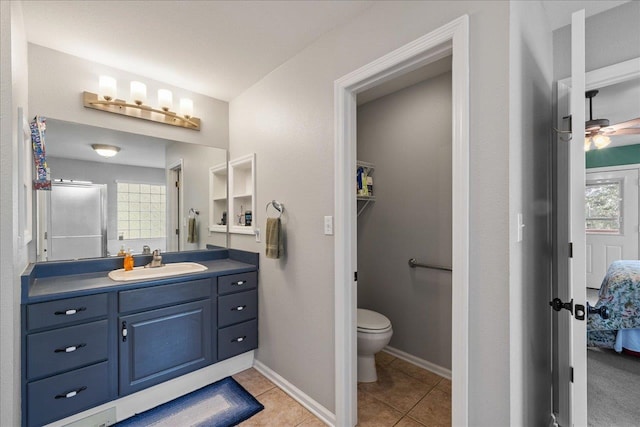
76	224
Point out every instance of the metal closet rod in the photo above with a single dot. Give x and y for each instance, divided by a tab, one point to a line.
413	264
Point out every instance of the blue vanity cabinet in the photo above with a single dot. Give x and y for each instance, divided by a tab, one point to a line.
157	344
237	314
68	367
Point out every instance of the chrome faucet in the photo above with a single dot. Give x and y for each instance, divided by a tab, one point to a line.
146	250
156	261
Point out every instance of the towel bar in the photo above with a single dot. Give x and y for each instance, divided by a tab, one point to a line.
413	264
277	206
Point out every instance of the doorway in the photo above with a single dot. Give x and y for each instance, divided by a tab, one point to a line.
571	398
449	40
175	207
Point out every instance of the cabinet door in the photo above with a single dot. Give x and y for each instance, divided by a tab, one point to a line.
161	344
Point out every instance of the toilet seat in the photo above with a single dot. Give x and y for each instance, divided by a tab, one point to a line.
372	322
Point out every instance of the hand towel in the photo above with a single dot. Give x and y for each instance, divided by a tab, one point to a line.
192	235
274	246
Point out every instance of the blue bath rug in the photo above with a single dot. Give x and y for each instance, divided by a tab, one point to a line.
221	404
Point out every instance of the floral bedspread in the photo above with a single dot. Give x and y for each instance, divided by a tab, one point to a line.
620	292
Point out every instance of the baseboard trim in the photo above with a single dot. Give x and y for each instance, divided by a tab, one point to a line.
436	369
302	398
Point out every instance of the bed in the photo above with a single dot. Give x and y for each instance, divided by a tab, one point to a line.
620	292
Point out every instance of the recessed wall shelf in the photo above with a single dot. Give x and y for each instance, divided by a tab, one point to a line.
242	187
363	200
218	198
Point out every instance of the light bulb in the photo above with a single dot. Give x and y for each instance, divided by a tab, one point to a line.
186	107
587	143
138	92
601	141
107	87
165	99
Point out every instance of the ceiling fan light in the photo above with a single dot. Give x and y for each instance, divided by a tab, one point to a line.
601	141
587	143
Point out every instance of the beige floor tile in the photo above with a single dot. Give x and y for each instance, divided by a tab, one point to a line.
434	409
279	410
395	388
253	381
312	422
408	422
444	385
384	358
416	372
374	413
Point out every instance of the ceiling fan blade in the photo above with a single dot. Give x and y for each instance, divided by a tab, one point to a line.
627	131
633	123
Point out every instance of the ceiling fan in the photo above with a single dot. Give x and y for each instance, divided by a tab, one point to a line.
598	131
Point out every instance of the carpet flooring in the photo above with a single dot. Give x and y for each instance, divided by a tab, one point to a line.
222	404
613	389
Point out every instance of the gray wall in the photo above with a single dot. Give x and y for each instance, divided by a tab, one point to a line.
407	135
530	194
107	173
197	160
287	119
57	80
612	36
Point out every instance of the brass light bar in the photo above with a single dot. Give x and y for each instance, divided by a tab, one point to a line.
118	106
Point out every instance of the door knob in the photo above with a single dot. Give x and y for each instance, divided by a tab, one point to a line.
558	305
603	311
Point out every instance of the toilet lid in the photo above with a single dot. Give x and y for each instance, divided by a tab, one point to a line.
372	320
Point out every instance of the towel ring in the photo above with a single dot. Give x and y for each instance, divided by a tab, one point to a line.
277	206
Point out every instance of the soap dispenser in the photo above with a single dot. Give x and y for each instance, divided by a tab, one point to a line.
128	261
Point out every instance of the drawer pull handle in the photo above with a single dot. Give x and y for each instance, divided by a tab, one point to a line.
239	283
71	394
239	308
123	331
69	349
239	339
70	312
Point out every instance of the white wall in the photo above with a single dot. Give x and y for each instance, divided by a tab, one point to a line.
530	186
287	119
57	80
407	135
13	255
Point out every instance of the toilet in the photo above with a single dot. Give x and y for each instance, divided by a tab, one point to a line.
374	333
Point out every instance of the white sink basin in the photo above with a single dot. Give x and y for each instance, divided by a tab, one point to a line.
142	273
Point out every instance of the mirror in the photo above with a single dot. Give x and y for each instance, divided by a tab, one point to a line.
153	194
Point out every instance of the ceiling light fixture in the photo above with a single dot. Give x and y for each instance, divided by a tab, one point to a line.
106	101
105	150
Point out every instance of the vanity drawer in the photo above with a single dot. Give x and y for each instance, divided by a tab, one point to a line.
237	339
237	282
66	348
238	307
60	312
62	395
157	296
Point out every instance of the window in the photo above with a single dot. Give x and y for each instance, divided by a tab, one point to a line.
141	211
603	204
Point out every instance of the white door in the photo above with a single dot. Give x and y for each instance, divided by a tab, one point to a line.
571	330
611	220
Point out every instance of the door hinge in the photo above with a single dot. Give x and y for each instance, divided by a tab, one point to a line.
45	235
571	374
355	276
570	249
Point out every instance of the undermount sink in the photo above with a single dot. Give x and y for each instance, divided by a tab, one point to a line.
142	273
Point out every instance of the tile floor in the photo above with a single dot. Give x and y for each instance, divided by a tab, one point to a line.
404	396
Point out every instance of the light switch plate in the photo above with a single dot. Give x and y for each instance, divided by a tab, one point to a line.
328	225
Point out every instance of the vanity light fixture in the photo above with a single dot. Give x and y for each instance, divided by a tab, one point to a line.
106	101
105	150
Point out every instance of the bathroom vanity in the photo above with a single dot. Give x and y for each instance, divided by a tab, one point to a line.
87	339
